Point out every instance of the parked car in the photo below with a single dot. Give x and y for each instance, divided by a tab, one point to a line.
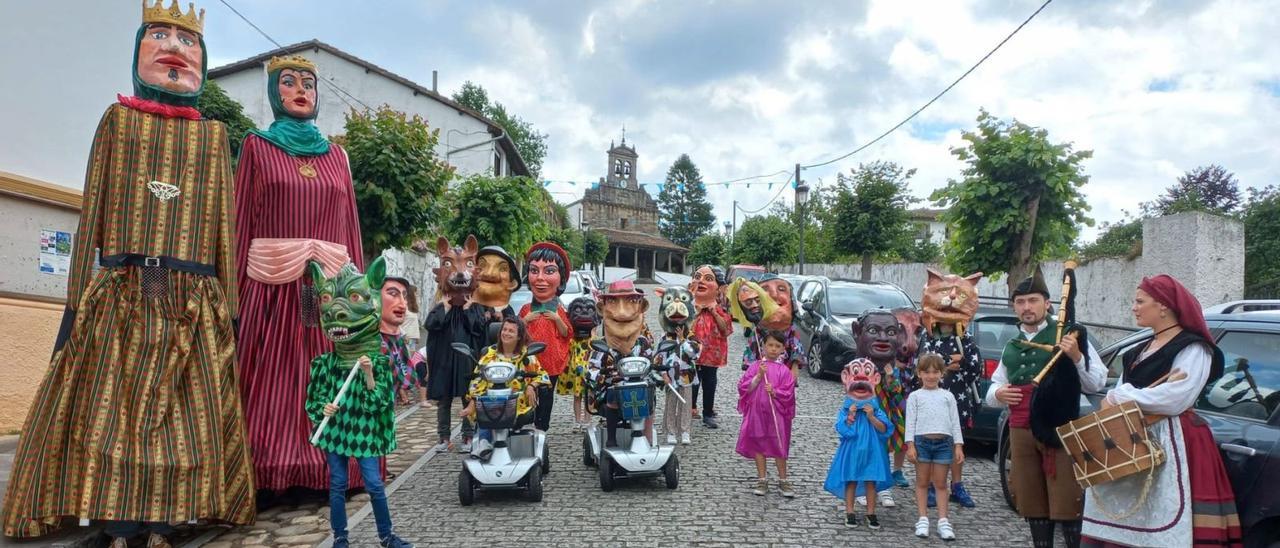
1242	408
579	284
825	311
749	271
992	328
519	298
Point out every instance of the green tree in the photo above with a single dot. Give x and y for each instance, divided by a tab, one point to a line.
571	239
870	214
215	104
595	247
398	179
683	210
1208	188
709	248
531	143
1020	200
1122	238
818	223
765	241
1262	244
505	211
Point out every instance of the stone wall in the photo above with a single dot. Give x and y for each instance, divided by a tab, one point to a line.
1204	252
605	205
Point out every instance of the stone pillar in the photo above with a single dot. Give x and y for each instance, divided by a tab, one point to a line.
635	260
1205	252
669	254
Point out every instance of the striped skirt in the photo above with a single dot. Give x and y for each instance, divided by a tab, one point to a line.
139	416
276	350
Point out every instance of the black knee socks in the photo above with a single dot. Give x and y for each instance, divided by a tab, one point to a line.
1071	533
1041	532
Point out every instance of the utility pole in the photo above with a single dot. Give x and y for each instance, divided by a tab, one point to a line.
800	217
735	219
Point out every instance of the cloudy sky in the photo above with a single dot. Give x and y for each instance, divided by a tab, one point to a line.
748	88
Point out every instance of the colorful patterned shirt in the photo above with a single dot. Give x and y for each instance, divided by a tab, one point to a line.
365	423
793	355
396	350
479	385
715	343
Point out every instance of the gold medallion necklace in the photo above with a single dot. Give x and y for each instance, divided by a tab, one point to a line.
306	168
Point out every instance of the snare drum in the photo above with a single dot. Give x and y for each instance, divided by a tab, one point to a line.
1110	444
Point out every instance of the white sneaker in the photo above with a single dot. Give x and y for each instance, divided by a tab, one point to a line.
671	439
885	499
922	527
944	530
684	439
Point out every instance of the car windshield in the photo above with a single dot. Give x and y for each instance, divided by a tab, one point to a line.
853	300
992	333
750	275
573	286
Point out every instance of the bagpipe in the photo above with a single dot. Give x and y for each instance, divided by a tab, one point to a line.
1056	398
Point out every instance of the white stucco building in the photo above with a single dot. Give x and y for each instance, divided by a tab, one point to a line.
927	223
468	141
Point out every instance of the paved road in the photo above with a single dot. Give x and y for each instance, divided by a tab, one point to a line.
713	506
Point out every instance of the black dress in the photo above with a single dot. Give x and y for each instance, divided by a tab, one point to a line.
450	371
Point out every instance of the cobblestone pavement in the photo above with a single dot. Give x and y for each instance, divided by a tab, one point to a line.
304	520
712	507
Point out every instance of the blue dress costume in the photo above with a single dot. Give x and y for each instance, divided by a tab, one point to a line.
862	455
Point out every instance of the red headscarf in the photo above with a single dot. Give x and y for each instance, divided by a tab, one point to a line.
1169	292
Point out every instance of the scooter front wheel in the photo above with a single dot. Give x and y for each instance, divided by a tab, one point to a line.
466	487
671	472
588	458
534	493
606	473
546	458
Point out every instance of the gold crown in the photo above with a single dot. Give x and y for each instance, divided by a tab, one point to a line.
296	62
158	14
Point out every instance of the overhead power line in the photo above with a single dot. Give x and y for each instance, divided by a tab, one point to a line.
935	97
333	86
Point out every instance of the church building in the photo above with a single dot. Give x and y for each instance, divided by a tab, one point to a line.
628	217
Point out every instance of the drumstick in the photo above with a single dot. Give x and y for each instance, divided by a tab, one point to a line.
315	438
1174	375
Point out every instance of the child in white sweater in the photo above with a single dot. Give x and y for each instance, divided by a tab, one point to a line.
933	441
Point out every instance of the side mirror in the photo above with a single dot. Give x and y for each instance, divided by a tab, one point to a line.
461	348
600	346
534	349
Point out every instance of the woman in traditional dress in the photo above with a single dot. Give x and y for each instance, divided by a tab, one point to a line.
295	203
1189	501
138	418
546	270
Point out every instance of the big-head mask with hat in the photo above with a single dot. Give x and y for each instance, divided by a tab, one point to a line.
779	291
546	271
497	277
622	306
293	90
170	61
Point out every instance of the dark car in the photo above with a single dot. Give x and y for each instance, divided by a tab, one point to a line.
992	327
750	272
825	313
1242	408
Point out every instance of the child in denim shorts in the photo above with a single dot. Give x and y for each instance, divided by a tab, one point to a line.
933	441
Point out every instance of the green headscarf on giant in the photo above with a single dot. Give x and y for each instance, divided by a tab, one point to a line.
158	94
296	136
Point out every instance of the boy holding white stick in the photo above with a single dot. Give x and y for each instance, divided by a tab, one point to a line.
354	411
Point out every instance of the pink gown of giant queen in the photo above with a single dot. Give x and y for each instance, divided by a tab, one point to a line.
275	201
766	418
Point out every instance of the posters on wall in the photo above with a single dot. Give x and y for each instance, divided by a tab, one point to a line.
55	252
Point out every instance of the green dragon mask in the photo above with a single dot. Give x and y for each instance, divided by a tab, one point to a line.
351	307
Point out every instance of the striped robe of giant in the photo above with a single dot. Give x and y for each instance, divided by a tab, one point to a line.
274	200
139	416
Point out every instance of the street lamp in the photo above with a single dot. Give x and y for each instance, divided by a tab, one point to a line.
586	228
802	196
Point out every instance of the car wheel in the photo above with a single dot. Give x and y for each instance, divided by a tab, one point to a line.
466	487
1004	463
588	459
814	367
